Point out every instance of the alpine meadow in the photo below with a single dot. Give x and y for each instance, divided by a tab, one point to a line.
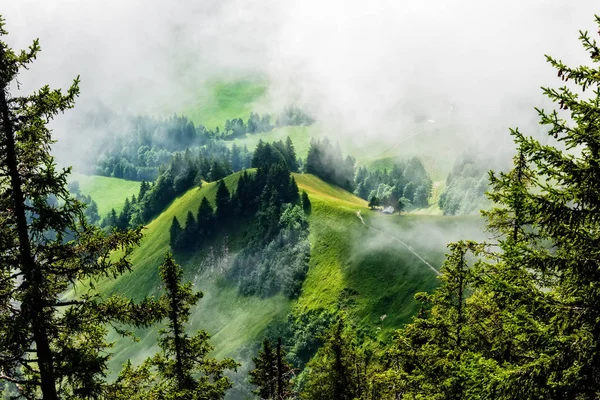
339	200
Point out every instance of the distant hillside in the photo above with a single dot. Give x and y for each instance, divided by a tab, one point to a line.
107	192
226	99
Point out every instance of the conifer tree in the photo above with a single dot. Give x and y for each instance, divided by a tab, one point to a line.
553	243
338	371
205	218
51	347
184	368
264	374
271	373
291	158
292	195
223	202
176	233
529	329
190	230
306	204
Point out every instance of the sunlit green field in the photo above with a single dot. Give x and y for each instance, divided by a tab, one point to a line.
107	192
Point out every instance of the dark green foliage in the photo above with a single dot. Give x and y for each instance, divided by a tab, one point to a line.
407	181
205	219
219	170
290	153
304	331
223	203
183	357
190	230
176	234
374	202
271	373
266	155
264	374
281	263
466	185
182	369
306	204
326	161
340	370
50	346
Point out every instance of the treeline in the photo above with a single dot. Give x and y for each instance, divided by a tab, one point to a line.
326	161
138	161
147	143
406	186
466	186
235	128
184	171
91	210
275	257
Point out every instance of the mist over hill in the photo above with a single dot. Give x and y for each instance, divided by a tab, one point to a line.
369	73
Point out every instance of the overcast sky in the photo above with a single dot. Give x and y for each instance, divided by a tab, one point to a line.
365	68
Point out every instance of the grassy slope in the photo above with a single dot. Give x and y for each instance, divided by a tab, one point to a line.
226	99
348	255
233	320
344	255
107	192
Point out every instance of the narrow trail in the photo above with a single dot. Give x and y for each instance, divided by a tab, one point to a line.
399	241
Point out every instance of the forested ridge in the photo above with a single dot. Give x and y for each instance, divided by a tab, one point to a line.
514	317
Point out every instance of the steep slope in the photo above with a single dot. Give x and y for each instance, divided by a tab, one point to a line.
366	270
379	275
233	320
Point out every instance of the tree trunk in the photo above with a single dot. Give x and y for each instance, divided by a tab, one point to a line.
32	275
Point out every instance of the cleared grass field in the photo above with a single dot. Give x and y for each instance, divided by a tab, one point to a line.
107	192
221	100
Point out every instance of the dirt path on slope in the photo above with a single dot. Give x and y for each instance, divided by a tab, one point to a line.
399	241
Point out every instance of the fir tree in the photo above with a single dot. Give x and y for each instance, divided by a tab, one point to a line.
184	368
205	218
271	373
264	374
306	204
175	234
223	202
339	370
50	347
190	230
292	160
292	195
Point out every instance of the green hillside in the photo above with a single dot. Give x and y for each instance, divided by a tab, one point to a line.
383	274
220	100
346	257
107	192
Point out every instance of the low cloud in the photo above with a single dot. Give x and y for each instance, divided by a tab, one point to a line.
367	70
